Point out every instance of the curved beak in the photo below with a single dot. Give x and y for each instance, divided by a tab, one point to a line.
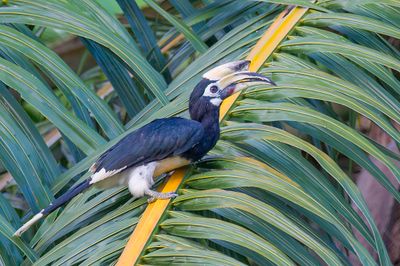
240	80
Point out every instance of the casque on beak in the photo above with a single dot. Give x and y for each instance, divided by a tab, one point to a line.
240	80
235	76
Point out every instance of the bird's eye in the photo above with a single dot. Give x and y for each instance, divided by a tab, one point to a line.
213	89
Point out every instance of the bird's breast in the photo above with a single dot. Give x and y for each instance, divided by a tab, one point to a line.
169	164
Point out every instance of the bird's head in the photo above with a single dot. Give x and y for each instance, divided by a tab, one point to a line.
221	82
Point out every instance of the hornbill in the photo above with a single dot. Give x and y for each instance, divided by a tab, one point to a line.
165	144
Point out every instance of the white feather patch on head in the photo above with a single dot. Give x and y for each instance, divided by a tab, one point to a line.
221	71
208	93
215	97
103	174
216	101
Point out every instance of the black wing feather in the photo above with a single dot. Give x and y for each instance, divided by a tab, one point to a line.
155	141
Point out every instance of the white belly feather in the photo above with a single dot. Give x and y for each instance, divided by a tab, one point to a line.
141	179
138	179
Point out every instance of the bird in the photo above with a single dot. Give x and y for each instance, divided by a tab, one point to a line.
164	144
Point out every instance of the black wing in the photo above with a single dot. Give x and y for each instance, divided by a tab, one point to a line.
155	141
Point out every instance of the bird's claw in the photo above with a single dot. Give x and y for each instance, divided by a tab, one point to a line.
159	195
151	200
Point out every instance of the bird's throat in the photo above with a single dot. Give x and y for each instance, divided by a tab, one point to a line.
210	123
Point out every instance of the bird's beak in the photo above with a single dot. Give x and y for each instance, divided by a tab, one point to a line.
240	80
226	69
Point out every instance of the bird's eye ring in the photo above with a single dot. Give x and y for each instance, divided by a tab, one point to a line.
213	89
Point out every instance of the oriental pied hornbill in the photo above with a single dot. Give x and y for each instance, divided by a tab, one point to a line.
165	144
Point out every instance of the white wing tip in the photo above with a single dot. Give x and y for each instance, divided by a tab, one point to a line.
92	168
28	224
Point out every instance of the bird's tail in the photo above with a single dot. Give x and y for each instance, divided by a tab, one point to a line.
67	196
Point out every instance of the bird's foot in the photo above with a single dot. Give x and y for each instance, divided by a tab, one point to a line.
154	195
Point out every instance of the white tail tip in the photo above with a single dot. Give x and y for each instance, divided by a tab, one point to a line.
28	224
